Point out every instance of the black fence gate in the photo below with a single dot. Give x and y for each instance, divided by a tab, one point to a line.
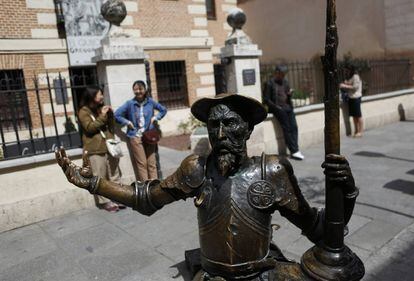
39	114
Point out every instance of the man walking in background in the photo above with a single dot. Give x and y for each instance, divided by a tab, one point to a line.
277	96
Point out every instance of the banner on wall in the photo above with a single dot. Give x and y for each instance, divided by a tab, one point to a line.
85	28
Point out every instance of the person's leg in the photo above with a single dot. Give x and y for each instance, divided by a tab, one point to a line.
114	172
112	165
283	118
293	126
98	165
361	124
360	121
151	161
140	158
356	125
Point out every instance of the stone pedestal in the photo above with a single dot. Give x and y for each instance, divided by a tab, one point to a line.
243	77
120	62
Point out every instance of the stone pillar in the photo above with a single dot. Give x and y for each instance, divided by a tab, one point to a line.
119	62
242	68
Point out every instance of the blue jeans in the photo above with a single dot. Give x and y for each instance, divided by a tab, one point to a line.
287	121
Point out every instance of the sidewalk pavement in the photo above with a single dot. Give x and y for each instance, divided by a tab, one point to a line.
95	245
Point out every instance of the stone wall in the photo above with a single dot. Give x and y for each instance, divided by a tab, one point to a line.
399	18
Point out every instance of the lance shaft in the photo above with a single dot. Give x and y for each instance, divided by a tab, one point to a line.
334	219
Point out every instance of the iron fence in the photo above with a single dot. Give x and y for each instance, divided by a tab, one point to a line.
378	76
39	114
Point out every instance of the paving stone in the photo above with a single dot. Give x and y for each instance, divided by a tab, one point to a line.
361	253
300	246
71	223
127	260
22	245
92	240
174	249
374	235
356	223
406	235
377	212
170	226
50	267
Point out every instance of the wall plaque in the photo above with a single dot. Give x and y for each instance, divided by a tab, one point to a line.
249	77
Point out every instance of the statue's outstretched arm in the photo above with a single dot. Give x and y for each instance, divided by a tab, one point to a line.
145	197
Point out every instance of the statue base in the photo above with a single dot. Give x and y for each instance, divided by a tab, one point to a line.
322	265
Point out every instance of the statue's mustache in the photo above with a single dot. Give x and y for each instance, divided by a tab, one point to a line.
230	147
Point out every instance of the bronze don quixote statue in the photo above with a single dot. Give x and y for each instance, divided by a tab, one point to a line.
236	195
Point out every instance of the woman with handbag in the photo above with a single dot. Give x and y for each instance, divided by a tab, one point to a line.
138	115
97	122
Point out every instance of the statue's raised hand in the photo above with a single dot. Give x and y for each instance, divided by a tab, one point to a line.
79	176
338	171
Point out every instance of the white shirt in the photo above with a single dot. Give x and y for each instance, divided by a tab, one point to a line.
356	83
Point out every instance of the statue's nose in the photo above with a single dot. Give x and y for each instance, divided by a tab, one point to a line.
221	133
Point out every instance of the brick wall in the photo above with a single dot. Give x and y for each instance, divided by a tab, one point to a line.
162	18
26	19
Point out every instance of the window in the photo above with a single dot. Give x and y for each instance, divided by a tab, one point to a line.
211	9
171	84
14	110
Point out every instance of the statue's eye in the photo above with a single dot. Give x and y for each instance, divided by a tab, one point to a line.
213	123
230	122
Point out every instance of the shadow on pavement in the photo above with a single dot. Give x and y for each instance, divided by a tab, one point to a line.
380	155
183	272
398	265
401	185
411	172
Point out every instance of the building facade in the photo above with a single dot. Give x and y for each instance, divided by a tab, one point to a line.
41	85
295	30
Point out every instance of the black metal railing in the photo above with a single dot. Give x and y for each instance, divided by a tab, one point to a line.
378	76
39	114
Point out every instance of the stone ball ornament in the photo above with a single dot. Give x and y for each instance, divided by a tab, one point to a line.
114	11
236	18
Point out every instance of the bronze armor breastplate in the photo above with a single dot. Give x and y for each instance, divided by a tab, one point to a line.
232	232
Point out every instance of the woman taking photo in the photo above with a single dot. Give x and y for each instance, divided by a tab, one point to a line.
138	115
97	122
352	86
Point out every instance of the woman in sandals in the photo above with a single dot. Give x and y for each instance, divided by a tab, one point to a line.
97	122
139	116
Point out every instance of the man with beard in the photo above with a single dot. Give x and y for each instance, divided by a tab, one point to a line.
235	195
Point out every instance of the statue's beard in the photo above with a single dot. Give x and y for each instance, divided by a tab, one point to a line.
228	156
226	162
